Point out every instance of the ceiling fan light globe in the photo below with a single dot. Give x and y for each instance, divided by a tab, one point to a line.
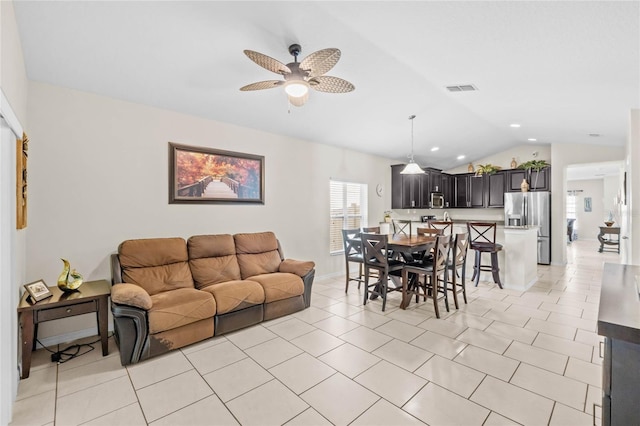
297	89
412	169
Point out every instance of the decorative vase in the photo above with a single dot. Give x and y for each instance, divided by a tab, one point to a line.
470	168
609	222
514	163
524	186
69	279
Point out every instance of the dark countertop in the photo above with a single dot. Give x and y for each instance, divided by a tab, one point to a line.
619	311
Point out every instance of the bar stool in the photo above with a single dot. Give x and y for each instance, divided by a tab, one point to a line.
482	239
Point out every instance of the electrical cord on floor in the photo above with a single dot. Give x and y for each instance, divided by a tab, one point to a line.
70	352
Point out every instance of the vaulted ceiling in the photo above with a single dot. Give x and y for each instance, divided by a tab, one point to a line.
564	71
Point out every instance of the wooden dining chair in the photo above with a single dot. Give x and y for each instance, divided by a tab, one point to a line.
352	254
430	232
428	279
445	226
375	259
401	227
456	265
482	239
371	229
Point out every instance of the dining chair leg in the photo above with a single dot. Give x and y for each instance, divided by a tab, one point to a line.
476	268
454	285
360	275
464	287
434	296
383	290
366	285
346	284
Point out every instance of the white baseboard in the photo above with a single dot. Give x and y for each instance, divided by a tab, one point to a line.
68	337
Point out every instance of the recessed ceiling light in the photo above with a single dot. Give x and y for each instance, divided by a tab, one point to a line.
532	139
460	157
435	148
514	125
595	135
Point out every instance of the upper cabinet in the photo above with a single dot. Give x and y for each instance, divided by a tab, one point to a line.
538	181
463	190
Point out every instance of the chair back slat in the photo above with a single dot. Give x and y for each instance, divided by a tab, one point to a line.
401	227
351	242
371	229
445	226
375	249
482	232
441	254
460	247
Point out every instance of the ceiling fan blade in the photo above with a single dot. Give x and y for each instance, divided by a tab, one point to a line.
268	62
299	101
320	62
260	85
328	84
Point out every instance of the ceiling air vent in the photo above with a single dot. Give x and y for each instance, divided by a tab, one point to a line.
462	88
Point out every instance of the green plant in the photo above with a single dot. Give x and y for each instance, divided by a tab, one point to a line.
535	165
486	168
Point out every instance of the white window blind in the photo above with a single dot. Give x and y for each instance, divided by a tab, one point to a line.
348	210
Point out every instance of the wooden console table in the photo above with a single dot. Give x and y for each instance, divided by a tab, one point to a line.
609	231
92	296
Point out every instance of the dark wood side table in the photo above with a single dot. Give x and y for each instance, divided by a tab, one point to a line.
92	296
609	231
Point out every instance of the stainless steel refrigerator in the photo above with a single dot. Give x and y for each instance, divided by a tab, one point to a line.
531	208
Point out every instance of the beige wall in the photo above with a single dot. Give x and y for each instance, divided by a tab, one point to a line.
563	155
632	209
13	82
99	175
588	223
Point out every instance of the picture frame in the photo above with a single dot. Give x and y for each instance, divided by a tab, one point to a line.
38	290
587	204
199	175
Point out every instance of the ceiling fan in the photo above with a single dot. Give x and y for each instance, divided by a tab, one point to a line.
300	76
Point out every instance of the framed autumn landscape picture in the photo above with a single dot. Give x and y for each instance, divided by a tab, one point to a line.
205	175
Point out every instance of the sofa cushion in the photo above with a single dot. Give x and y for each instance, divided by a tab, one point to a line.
175	308
236	295
257	253
212	259
155	264
279	285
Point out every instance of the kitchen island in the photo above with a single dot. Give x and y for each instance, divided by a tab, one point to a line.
518	258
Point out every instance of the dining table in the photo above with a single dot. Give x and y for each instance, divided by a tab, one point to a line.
407	246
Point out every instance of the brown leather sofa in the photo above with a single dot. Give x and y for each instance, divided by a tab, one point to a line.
168	293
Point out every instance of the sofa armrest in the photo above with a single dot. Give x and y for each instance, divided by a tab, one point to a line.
131	332
307	280
298	267
131	295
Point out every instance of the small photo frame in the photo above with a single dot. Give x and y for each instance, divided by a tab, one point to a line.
38	290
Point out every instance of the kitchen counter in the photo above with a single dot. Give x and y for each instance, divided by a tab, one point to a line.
520	257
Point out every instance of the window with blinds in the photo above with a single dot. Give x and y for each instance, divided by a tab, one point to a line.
348	210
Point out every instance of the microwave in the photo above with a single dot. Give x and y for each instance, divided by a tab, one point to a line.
437	200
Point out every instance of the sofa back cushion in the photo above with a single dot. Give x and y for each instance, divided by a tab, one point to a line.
257	253
213	259
155	264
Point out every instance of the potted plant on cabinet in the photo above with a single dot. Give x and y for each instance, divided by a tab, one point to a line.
534	165
488	169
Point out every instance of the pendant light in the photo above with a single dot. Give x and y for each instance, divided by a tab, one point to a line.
412	168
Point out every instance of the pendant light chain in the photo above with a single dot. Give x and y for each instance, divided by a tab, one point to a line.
411	117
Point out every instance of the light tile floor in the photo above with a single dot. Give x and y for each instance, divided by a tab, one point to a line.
507	357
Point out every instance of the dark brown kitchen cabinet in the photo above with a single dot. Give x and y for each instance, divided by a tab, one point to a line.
538	181
435	180
448	190
494	189
476	191
461	190
406	190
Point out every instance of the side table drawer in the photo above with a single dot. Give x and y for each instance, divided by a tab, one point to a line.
66	311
